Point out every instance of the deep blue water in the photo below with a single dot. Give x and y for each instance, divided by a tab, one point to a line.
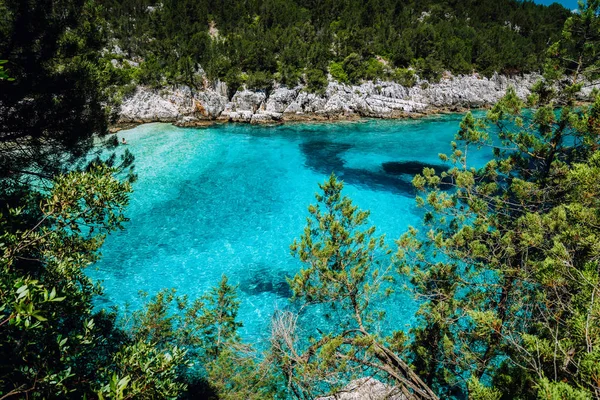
230	200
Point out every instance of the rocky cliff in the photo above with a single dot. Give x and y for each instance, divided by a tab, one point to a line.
184	106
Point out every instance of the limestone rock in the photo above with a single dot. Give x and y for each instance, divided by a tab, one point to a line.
239	116
210	104
311	103
586	91
367	389
370	99
265	117
280	99
338	104
247	100
151	105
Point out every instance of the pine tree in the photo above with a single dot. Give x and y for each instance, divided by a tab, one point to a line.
53	105
345	275
508	268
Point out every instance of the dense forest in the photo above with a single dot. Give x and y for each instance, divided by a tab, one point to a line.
253	42
506	262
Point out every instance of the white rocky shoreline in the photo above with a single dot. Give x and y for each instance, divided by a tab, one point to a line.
184	106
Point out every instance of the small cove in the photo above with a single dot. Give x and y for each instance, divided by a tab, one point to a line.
230	199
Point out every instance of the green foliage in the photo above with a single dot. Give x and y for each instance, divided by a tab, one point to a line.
238	374
576	54
405	77
49	333
374	69
316	81
204	333
234	80
144	372
507	263
345	274
353	66
287	38
288	75
477	391
218	319
339	257
55	95
3	74
354	69
259	80
428	68
337	72
560	390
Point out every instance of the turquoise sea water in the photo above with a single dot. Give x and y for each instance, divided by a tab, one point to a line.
230	200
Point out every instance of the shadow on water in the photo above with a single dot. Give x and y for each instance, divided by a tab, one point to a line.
326	157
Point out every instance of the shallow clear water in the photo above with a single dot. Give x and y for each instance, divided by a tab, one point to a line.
230	200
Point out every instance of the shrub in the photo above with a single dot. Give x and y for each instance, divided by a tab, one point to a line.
429	68
372	69
259	80
337	72
353	66
233	80
316	81
288	74
404	76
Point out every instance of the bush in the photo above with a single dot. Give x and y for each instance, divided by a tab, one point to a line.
151	73
429	68
233	80
404	76
337	72
316	81
460	66
288	75
372	69
260	80
353	66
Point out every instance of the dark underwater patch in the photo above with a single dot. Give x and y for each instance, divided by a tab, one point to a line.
326	157
266	281
410	167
